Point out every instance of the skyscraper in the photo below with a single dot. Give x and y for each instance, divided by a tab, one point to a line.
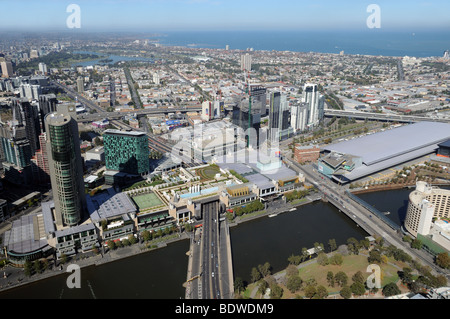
315	102
47	104
246	62
43	68
65	165
26	114
299	116
248	113
279	117
80	85
7	69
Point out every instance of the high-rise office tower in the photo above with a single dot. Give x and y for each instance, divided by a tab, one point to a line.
126	152
80	85
47	104
279	117
43	68
315	102
26	114
7	69
248	113
65	165
246	62
299	116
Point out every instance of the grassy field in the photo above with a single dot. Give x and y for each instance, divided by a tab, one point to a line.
147	201
208	173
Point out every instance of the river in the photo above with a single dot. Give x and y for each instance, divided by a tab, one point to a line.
159	274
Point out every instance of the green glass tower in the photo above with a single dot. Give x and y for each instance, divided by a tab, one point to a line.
126	152
65	166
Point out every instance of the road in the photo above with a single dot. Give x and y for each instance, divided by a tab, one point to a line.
210	253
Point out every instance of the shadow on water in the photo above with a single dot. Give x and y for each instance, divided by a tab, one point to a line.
157	274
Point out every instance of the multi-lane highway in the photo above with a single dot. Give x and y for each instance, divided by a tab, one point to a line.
210	251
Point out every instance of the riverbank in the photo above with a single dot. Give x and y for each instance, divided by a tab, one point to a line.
15	277
275	211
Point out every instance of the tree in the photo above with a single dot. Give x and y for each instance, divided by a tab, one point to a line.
276	292
330	279
341	278
443	260
332	244
310	291
294	283
265	269
146	235
111	244
321	292
239	285
37	266
346	292
374	257
358	288
291	270
322	259
358	277
416	244
263	287
27	268
132	239
336	259
255	275
391	289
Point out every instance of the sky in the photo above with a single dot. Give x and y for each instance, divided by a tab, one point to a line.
195	15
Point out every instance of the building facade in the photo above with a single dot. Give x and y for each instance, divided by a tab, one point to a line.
65	166
126	152
426	205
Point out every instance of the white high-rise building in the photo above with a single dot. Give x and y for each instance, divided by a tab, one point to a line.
246	62
43	68
446	55
156	78
7	69
315	102
80	85
299	117
30	92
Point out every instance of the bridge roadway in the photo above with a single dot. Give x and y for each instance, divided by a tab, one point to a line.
383	116
363	217
210	272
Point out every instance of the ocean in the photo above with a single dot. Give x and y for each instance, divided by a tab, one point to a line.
367	42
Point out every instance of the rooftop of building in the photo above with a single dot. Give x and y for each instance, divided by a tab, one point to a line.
124	133
393	143
108	204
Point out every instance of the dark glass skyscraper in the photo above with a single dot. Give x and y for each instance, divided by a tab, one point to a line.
65	166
